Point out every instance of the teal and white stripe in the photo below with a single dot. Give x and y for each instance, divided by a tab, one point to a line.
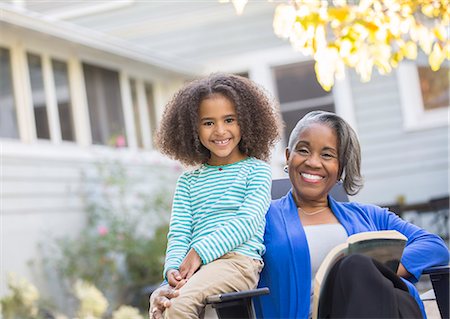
219	209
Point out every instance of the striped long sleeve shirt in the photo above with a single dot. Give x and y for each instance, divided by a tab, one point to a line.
219	209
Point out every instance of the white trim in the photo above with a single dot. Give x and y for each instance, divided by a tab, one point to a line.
343	100
414	115
50	99
22	94
73	153
78	97
127	108
75	12
144	114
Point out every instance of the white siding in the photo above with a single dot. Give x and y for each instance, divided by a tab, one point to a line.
41	198
395	162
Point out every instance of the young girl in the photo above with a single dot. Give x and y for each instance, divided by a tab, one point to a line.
227	125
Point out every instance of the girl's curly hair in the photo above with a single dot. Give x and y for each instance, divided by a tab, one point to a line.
257	116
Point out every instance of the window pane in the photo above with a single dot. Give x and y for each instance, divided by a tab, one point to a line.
150	107
291	118
299	93
8	117
298	82
434	87
38	96
137	115
63	100
105	106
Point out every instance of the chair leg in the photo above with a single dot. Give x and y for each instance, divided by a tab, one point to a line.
242	309
440	282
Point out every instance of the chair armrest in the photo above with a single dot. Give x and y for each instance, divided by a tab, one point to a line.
231	296
236	304
437	270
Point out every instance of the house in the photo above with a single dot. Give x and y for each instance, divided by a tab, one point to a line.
77	77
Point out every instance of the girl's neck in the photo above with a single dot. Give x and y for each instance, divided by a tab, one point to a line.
222	162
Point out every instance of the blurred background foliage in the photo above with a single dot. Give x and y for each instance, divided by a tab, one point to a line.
122	247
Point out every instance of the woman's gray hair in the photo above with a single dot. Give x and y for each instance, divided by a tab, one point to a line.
349	150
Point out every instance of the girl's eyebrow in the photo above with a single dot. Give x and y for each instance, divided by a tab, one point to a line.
212	118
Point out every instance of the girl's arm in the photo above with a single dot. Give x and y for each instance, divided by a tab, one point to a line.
180	235
249	218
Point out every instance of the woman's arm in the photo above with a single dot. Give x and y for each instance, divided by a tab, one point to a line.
422	250
402	272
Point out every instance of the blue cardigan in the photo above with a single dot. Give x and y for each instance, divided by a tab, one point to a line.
287	270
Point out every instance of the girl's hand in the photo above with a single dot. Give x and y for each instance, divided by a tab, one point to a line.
191	263
173	277
160	300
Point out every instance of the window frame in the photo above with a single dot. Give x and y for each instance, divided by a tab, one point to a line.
18	51
415	117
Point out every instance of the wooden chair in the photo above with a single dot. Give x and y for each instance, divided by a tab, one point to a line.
240	305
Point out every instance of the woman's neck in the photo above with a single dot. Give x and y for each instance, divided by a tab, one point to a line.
308	204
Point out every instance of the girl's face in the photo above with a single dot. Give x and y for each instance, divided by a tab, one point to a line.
314	163
219	130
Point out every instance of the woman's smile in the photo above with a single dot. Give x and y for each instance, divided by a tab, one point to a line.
311	178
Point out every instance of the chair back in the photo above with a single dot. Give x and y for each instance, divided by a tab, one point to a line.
280	187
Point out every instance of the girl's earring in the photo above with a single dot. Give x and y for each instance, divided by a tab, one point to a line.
286	169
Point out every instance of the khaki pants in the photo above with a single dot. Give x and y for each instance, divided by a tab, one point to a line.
232	272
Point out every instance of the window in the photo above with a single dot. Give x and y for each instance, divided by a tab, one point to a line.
8	116
434	87
38	96
424	94
63	100
299	93
105	106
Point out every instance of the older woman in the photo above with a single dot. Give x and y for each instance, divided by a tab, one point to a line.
305	224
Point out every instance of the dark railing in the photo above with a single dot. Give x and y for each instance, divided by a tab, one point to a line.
432	215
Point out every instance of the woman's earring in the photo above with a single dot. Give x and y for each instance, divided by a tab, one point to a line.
286	169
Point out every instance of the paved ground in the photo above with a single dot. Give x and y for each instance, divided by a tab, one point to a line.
431	309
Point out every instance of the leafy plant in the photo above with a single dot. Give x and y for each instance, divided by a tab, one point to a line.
122	247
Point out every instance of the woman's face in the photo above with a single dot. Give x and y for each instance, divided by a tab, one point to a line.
314	163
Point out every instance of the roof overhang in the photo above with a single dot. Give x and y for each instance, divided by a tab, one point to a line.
36	22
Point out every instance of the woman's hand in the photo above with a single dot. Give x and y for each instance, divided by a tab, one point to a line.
191	263
160	300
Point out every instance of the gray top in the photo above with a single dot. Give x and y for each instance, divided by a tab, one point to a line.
319	246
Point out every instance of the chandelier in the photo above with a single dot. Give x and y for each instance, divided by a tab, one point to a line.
364	34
